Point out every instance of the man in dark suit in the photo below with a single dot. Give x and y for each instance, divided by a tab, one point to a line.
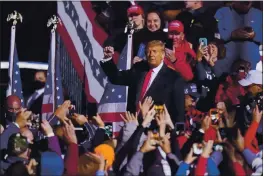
151	78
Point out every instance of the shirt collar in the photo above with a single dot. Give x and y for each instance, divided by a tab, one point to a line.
157	69
40	91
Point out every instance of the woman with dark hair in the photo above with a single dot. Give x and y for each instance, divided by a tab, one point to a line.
154	31
155	25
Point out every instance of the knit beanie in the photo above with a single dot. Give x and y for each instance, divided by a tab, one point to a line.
51	164
17	144
108	152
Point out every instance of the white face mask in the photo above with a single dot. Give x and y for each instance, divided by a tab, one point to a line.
197	150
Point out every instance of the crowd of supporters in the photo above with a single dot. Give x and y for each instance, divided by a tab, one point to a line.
218	52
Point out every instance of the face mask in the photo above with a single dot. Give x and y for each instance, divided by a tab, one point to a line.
241	75
38	85
11	116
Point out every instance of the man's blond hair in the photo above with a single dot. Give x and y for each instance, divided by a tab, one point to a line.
156	43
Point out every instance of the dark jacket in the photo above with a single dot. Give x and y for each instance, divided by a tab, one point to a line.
199	23
119	39
167	87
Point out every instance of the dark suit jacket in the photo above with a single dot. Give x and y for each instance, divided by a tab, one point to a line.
167	87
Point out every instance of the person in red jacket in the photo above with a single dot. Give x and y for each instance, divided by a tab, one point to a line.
180	55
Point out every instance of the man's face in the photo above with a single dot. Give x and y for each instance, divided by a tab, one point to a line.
176	37
153	22
137	19
14	106
189	102
28	134
242	7
189	4
155	55
40	76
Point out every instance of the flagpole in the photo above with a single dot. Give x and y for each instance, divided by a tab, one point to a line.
130	27
53	21
15	17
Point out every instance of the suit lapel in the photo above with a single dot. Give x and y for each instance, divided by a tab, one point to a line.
140	84
157	80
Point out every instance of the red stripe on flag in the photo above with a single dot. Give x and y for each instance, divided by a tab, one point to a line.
99	34
47	108
75	59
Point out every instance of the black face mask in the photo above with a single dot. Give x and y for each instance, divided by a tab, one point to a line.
11	116
38	85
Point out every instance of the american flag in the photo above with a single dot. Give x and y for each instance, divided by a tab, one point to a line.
114	100
83	39
14	85
53	94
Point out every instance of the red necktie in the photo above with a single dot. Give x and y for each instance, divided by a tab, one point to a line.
145	84
144	87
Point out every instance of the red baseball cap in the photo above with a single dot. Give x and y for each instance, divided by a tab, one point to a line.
176	26
135	9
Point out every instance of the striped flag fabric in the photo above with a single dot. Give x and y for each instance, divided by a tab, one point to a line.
14	85
83	38
53	93
114	100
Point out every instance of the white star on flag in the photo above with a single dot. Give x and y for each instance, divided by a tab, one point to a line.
97	72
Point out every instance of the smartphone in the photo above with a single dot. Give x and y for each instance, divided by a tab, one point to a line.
169	44
203	42
248	29
197	150
141	50
223	133
214	116
109	129
159	108
72	110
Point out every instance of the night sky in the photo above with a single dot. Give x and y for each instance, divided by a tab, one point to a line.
32	36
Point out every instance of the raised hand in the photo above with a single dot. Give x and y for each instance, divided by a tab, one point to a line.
101	159
32	167
190	158
206	122
169	54
149	144
99	121
108	52
257	114
149	117
69	132
23	118
239	141
168	118
62	111
165	143
130	118
46	127
80	119
208	149
137	59
145	107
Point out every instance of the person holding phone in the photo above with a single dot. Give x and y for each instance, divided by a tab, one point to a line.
179	53
208	74
241	27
